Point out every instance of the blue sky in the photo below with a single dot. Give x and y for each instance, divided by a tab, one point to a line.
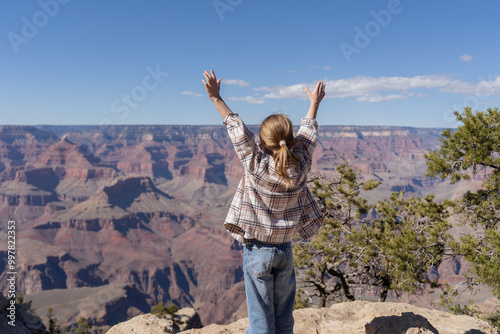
407	62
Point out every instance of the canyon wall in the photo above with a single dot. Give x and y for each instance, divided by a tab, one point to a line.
143	206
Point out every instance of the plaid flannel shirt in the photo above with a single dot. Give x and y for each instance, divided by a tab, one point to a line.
262	207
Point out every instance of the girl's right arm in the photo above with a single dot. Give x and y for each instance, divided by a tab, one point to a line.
308	130
315	97
308	136
213	90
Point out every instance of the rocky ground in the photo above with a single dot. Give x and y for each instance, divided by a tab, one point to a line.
359	317
182	320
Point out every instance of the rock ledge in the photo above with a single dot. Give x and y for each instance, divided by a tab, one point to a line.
361	317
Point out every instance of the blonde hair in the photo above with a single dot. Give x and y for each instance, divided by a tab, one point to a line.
273	130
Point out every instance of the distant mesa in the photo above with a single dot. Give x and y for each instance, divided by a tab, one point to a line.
68	154
142	158
10	154
41	178
19	144
124	196
24	135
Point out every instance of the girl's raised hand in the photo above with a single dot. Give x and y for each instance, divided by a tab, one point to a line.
212	85
318	93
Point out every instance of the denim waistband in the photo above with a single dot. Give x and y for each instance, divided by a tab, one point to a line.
255	242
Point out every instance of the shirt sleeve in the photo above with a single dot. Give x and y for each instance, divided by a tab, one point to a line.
308	135
311	218
243	140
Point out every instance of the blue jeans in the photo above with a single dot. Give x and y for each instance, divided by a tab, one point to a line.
269	287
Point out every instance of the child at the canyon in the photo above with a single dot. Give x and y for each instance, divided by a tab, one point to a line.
272	203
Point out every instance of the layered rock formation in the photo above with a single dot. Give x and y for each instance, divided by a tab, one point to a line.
63	172
134	233
100	305
143	206
368	318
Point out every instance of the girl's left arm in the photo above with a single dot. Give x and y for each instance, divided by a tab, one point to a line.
242	138
213	90
243	141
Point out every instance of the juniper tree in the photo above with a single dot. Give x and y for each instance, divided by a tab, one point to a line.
160	309
390	248
401	246
82	326
323	256
472	148
54	327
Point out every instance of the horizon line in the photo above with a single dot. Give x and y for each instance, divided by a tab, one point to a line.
139	124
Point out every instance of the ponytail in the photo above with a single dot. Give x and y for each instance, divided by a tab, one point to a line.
282	160
276	133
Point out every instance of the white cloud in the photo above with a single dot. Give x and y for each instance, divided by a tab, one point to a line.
380	98
485	87
235	82
465	57
192	94
280	91
248	99
369	88
458	87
